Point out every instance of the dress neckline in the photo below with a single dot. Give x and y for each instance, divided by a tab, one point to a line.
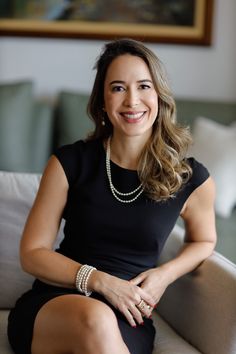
114	164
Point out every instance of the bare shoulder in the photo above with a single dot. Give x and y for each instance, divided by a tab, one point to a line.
46	213
199	214
52	194
53	176
203	196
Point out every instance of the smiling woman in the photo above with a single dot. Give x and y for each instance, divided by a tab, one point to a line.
117	70
120	193
130	98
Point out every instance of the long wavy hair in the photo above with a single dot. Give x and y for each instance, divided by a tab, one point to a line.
163	167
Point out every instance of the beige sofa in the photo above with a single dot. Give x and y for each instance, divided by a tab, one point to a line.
197	314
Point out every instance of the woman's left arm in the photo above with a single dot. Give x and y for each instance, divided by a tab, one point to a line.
199	218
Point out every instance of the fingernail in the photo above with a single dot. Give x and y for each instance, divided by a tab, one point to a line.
134	326
142	323
150	316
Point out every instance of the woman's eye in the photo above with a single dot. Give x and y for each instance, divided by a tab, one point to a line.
145	86
117	89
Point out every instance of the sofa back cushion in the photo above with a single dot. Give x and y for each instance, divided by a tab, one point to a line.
72	122
221	112
41	136
16	111
17	193
26	128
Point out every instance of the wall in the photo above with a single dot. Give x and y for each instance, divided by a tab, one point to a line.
194	71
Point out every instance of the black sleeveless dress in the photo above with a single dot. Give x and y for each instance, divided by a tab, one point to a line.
120	239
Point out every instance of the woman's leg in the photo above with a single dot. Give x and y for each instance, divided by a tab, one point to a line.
75	324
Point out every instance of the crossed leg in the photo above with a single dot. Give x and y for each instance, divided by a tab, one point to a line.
75	324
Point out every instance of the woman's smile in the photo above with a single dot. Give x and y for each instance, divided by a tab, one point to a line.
133	117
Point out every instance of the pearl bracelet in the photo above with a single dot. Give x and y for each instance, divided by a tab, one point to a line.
82	277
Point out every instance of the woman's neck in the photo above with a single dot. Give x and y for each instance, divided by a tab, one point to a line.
126	152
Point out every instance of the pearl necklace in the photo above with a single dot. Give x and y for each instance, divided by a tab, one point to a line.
114	191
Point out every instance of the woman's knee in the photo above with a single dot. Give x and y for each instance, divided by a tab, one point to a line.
74	322
100	330
98	318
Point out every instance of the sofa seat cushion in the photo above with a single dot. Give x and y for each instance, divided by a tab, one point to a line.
167	341
4	345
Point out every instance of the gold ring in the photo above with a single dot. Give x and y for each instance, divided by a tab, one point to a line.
141	305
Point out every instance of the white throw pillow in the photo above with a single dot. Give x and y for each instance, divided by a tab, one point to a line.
215	146
17	193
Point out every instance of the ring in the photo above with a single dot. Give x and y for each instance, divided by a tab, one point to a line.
141	305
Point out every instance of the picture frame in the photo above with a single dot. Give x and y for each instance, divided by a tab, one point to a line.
199	32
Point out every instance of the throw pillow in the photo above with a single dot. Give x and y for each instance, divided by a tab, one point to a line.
17	193
16	112
215	146
72	121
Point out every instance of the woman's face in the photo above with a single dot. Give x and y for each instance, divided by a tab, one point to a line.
130	99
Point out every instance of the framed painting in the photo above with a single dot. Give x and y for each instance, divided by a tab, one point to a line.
164	21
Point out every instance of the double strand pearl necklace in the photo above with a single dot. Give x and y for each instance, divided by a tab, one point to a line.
114	191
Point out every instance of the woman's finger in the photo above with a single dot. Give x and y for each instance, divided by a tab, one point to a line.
136	313
144	308
138	279
147	297
129	317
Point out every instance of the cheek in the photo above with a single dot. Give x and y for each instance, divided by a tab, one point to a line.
153	104
110	102
107	98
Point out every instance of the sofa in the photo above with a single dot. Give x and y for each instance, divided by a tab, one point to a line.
197	313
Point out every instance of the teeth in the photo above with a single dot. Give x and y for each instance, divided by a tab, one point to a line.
133	116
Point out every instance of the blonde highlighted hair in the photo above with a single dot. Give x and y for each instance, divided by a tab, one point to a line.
163	167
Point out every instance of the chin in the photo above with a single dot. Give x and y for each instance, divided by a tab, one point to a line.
138	133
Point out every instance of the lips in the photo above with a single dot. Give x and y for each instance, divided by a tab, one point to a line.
133	116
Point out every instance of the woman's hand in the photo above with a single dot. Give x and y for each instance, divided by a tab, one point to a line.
154	282
123	295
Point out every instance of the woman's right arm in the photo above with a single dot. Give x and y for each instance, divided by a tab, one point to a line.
36	250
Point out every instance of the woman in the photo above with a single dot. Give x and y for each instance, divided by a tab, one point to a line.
120	193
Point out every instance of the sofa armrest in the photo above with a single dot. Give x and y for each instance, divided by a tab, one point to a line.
201	306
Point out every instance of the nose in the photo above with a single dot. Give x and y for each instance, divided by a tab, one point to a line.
132	98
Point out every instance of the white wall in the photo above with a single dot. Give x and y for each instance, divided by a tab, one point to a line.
194	71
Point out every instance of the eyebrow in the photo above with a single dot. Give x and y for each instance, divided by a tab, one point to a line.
123	82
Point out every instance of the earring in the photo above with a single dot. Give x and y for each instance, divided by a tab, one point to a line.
103	117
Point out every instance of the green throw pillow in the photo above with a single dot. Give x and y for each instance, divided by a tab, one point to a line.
72	121
16	107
